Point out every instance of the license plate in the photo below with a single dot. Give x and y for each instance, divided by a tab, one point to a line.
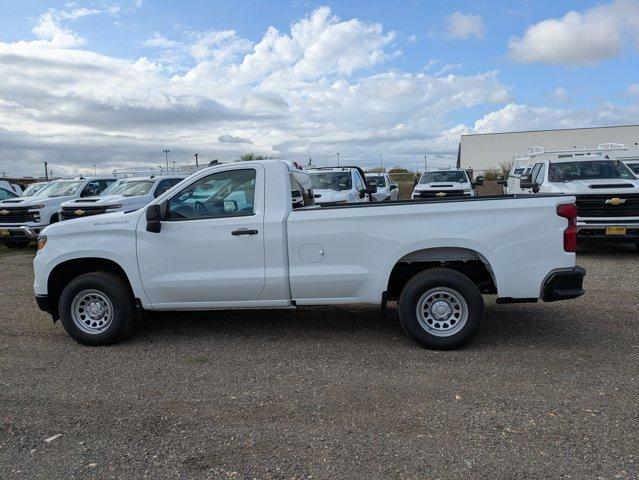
615	230
4	233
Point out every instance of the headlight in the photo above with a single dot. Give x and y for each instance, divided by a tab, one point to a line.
111	207
42	241
468	191
35	207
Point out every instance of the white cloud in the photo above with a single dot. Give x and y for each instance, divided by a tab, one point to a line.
633	89
578	38
49	29
461	25
157	40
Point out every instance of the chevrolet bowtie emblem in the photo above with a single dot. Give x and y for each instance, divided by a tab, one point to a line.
79	212
615	201
440	194
4	212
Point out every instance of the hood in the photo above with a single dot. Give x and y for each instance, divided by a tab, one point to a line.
29	201
443	186
327	195
100	201
601	186
94	223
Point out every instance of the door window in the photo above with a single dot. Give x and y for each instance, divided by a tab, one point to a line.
163	186
301	190
222	194
359	183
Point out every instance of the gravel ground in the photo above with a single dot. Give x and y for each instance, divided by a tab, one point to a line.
545	391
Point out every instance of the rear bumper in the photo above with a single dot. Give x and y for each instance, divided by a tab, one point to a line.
21	232
563	284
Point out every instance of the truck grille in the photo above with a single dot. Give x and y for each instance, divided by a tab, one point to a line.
68	213
16	215
611	205
440	194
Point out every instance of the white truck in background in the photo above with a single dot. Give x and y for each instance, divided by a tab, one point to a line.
340	185
387	190
445	183
258	241
124	195
606	192
22	218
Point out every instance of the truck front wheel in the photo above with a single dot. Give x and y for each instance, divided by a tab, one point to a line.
441	309
97	308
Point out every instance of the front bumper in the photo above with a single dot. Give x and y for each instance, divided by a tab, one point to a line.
43	303
595	231
20	232
563	284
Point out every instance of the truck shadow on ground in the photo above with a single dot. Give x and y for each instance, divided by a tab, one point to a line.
536	324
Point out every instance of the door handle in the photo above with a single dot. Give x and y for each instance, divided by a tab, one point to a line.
244	231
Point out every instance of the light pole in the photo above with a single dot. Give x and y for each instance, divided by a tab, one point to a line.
46	173
166	157
425	162
94	169
338	159
196	164
381	162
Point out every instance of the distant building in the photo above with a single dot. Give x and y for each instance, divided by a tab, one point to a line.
485	151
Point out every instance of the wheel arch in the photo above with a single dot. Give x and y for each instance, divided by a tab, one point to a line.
65	271
465	260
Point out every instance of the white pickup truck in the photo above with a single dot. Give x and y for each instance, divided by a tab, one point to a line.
243	245
446	183
22	218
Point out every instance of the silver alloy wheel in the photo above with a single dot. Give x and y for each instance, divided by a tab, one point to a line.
92	311
442	311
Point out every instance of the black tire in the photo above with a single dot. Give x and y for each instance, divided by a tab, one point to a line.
113	287
456	287
16	243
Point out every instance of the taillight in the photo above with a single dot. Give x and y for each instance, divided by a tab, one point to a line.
569	211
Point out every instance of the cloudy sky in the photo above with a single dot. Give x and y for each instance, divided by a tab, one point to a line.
113	83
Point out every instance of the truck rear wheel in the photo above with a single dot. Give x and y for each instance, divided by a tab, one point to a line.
97	308
441	309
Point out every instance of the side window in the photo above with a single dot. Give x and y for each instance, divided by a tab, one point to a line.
92	188
106	183
535	170
222	194
163	186
301	190
539	178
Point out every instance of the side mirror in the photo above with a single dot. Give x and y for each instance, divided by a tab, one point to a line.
479	181
153	218
502	180
525	181
393	186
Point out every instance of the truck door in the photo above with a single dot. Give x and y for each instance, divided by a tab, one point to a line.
210	248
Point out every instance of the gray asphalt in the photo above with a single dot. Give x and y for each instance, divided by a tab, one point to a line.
545	391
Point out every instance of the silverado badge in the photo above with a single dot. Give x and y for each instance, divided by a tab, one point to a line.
615	201
4	212
79	212
440	194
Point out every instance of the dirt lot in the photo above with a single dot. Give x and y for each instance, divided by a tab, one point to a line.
546	391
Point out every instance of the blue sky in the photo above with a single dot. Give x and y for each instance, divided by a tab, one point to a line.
399	78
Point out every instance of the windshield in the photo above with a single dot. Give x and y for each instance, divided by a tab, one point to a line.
130	188
60	188
33	189
588	170
4	194
379	179
634	167
331	180
449	176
